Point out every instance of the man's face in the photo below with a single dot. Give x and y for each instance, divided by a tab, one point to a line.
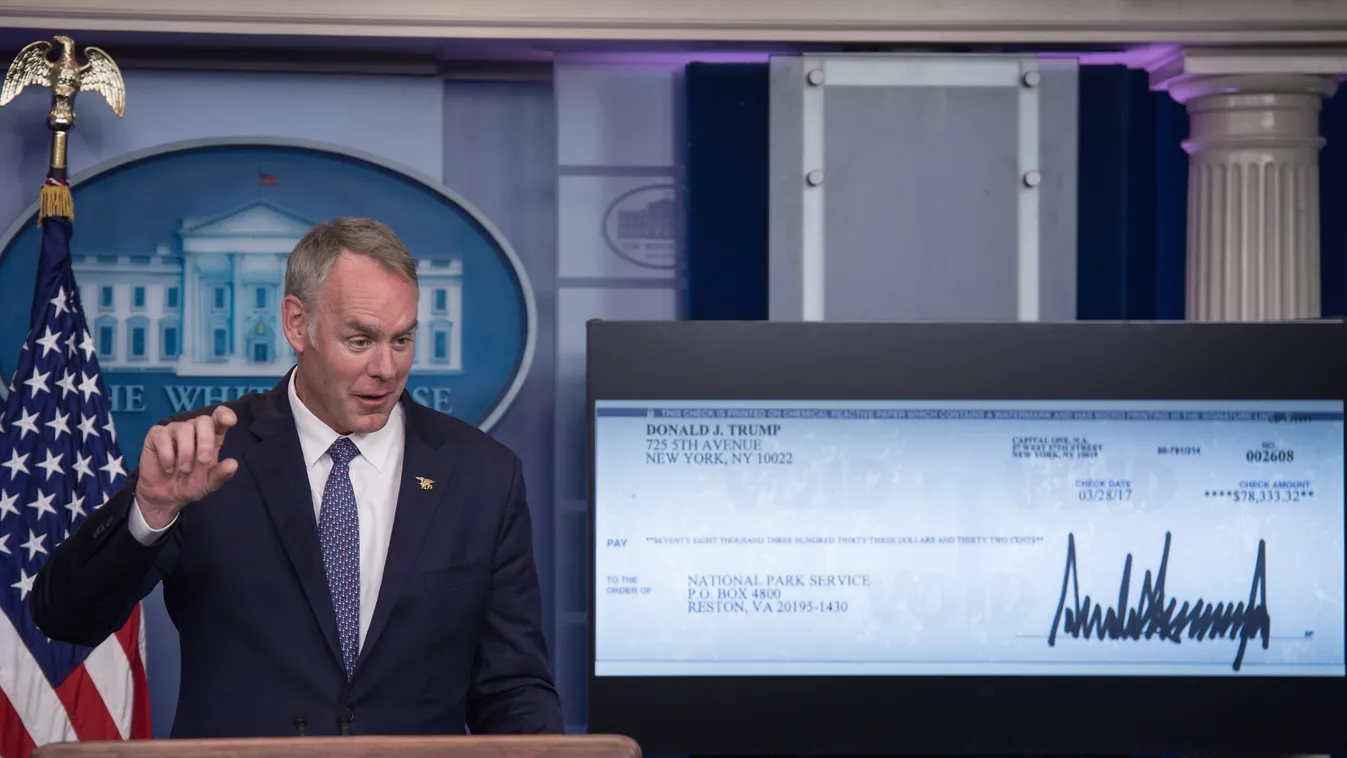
364	325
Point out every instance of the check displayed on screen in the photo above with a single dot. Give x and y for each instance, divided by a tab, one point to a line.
947	538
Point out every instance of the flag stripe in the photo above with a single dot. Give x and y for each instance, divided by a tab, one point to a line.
30	694
132	639
140	637
110	672
14	738
85	707
140	711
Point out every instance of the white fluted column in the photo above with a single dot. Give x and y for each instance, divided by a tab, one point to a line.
1253	194
1253	179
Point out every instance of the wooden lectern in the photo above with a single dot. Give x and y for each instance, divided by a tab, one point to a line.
526	746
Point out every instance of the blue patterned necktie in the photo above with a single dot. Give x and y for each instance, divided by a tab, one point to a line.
339	532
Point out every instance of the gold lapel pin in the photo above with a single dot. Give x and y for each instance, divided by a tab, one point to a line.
426	484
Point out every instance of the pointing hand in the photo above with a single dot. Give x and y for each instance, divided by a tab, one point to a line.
180	464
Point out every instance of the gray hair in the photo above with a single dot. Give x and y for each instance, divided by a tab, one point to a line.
317	251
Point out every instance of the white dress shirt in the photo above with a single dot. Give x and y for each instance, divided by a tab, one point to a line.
375	476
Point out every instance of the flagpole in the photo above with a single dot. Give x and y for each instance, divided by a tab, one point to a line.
59	458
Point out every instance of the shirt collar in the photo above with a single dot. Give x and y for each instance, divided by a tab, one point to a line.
316	437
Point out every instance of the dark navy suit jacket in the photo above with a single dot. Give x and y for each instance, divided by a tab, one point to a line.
456	636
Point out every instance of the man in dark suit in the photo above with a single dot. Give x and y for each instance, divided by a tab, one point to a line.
336	557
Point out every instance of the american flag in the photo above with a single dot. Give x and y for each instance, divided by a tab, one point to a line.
59	460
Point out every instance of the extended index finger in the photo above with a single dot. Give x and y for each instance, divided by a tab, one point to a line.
224	418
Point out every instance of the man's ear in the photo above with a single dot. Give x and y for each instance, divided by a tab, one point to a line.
295	321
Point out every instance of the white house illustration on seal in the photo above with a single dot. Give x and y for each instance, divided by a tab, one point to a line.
208	302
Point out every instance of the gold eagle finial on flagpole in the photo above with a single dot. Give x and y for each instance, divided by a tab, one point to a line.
66	78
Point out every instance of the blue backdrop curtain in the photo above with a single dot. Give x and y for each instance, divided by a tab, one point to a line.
1132	201
1131	198
1333	206
726	109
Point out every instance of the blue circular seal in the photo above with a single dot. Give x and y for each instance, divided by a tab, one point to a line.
179	253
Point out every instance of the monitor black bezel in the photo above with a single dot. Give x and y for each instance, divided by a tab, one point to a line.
782	716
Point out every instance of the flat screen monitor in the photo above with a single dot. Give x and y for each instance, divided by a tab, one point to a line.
876	539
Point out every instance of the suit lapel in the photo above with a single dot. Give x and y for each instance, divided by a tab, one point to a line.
422	457
277	463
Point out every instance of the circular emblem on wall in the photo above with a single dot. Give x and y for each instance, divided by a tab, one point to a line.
180	251
640	226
